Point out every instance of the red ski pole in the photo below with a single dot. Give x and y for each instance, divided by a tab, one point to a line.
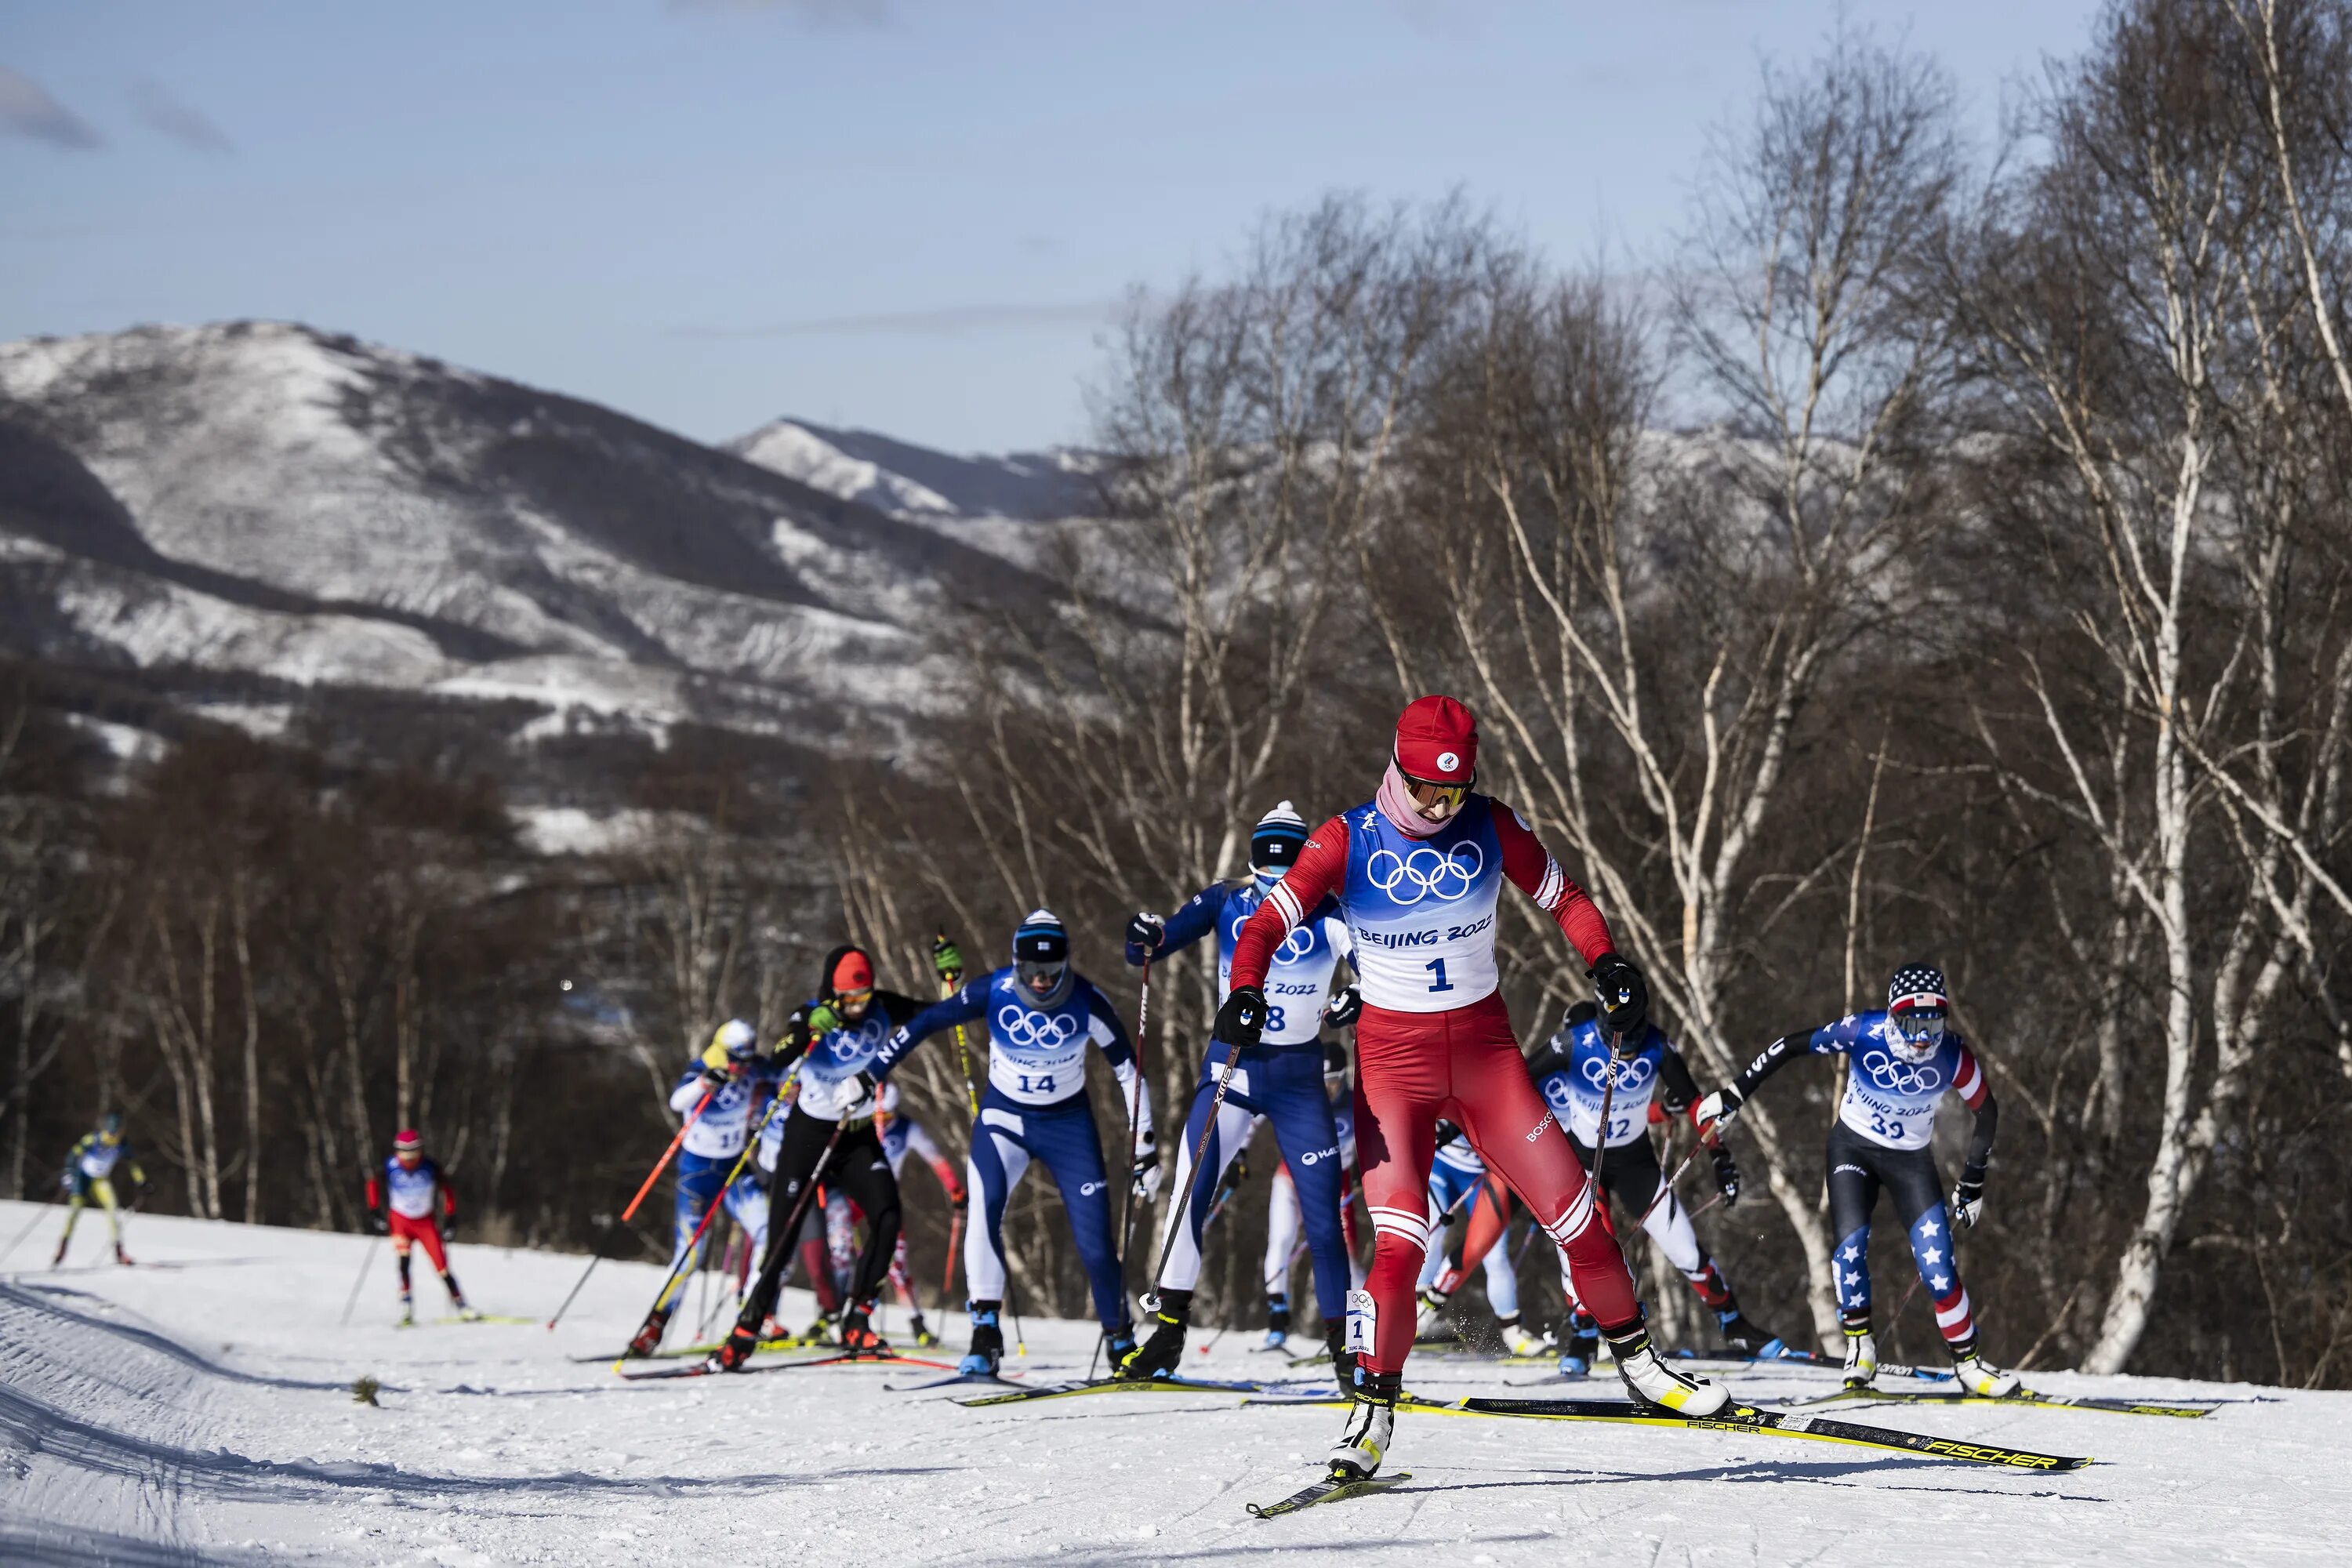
628	1214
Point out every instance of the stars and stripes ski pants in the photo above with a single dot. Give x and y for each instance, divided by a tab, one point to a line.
1858	1170
1465	1065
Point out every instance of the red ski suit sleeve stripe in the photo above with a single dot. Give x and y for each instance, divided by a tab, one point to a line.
1321	870
1534	872
1968	1081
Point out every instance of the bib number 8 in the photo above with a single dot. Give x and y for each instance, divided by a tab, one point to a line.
1274	1018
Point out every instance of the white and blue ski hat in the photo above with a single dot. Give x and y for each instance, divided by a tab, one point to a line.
1279	836
1041	938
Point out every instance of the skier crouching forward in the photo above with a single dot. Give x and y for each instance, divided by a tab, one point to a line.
1417	872
1903	1062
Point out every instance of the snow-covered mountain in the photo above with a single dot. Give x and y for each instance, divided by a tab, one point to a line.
307	512
996	503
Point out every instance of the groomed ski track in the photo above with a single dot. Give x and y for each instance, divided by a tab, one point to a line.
203	1414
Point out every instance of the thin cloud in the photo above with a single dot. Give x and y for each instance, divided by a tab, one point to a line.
183	121
26	109
946	321
809	13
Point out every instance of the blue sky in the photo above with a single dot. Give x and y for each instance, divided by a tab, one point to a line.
906	214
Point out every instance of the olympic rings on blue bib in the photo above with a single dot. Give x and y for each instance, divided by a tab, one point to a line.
1901	1078
1022	1026
1631	1073
1426	873
1295	947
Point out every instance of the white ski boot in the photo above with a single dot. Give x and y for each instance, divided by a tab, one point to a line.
1371	1422
1430	1324
1518	1341
1984	1382
1651	1382
1861	1358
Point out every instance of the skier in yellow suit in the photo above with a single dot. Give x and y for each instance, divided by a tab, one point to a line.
89	1173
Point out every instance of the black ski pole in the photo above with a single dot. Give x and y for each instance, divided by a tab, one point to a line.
1134	1134
1183	1208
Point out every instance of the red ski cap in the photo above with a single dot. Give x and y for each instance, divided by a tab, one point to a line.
853	972
1437	739
408	1141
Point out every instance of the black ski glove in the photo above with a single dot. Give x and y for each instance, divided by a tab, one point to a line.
869	1100
377	1225
1240	1019
1145	932
1344	1008
1967	1198
1624	999
1727	1176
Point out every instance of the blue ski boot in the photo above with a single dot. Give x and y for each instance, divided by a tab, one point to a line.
1277	1319
987	1352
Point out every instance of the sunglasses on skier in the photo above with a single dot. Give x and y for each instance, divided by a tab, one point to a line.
1430	794
852	1002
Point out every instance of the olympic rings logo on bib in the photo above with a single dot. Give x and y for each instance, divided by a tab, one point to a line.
1631	1074
1295	948
1901	1078
1425	873
1023	1028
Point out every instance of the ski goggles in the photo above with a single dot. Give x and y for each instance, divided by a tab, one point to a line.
1919	1027
1042	975
1430	794
847	1001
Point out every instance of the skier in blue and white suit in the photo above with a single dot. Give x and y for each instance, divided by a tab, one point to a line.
1041	1015
1280	1078
730	1072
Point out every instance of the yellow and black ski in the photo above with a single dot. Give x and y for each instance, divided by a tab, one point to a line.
1732	1418
2023	1396
1331	1488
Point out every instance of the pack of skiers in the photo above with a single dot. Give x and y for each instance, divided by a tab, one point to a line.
1446	1116
799	1141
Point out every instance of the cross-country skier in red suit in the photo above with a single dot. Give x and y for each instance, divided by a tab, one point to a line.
1417	872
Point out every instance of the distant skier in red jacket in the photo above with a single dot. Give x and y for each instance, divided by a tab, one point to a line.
1418	872
404	1208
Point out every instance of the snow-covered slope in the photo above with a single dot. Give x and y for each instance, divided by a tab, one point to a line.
273	500
197	1408
996	503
